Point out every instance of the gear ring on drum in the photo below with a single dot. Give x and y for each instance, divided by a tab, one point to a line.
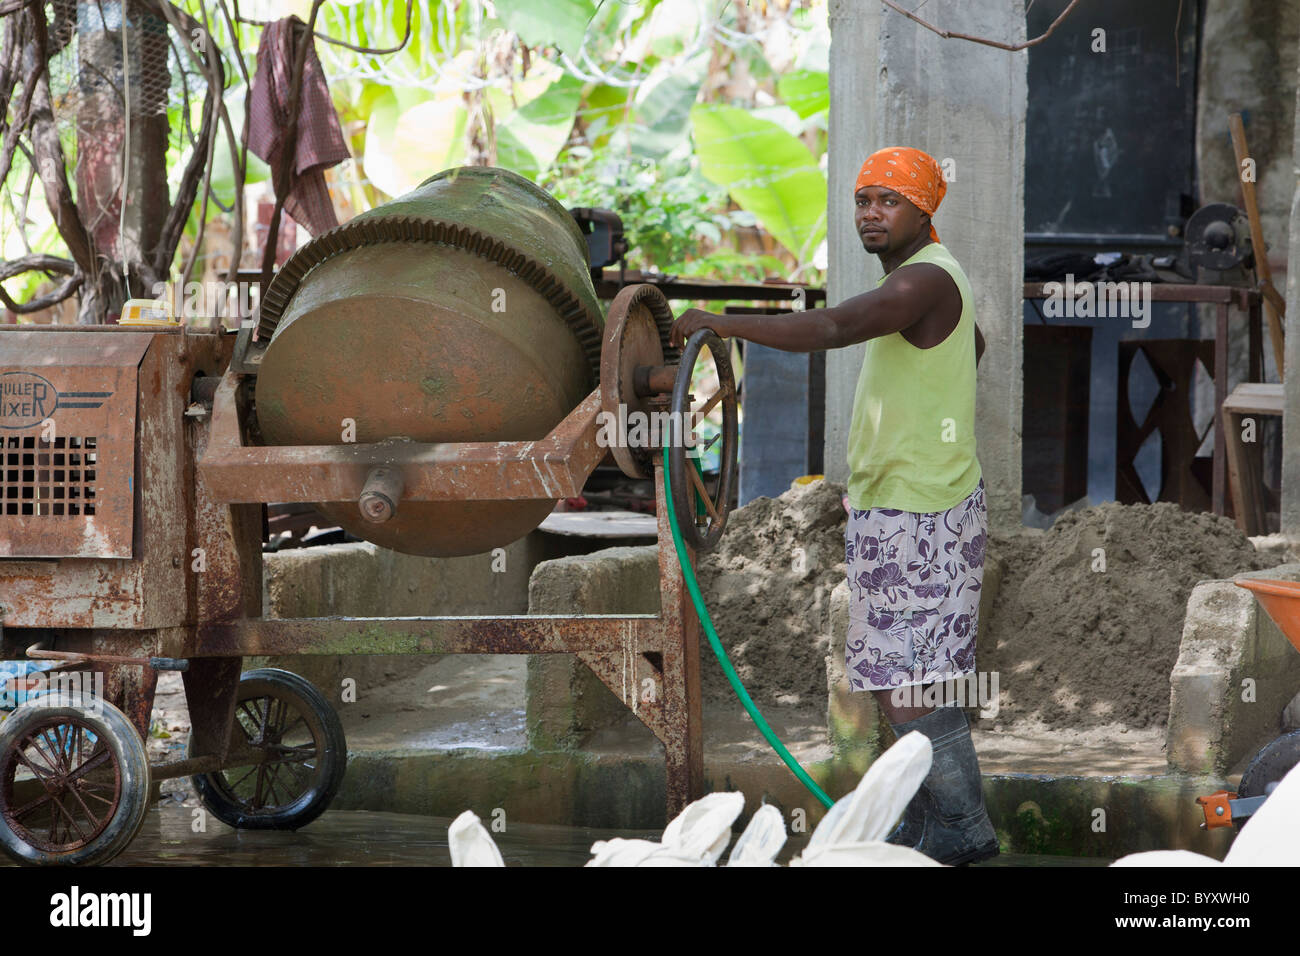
637	328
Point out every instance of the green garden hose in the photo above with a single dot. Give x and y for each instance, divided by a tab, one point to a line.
746	701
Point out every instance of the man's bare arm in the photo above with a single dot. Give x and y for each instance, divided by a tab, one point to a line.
905	296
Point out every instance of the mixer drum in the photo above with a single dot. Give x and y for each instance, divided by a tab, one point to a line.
463	311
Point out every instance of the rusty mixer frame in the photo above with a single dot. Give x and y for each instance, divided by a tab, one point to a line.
163	417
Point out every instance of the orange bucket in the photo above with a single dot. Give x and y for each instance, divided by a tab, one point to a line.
1281	599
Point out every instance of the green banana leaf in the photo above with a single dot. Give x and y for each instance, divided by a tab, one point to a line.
558	23
805	91
530	137
767	171
412	136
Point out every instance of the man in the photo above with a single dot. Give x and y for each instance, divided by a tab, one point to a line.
917	525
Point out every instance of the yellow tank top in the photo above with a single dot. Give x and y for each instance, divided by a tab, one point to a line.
912	436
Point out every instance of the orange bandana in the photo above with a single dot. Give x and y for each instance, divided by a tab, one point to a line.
908	172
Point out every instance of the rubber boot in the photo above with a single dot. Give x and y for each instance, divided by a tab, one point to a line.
948	810
912	825
909	829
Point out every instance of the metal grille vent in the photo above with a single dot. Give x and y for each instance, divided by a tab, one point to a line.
43	478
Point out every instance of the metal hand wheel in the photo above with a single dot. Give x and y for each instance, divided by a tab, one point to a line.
702	510
637	371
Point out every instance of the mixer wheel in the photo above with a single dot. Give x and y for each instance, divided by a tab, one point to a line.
91	765
290	721
1270	765
702	510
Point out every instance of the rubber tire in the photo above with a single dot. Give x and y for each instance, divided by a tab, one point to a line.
128	749
1269	765
333	761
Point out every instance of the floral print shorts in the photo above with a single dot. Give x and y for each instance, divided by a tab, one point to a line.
914	583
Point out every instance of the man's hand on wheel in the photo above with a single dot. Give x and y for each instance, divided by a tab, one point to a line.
690	322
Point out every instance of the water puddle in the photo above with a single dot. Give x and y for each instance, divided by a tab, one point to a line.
360	838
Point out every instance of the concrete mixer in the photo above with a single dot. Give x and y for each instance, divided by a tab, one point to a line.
494	337
429	374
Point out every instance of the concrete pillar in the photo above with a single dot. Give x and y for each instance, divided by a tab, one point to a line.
895	82
1290	517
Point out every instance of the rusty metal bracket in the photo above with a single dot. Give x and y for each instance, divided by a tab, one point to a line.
556	466
247	358
211	689
623	650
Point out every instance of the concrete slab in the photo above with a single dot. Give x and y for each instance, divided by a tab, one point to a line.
451	737
1099	794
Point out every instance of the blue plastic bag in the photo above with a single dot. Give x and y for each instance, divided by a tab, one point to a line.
10	694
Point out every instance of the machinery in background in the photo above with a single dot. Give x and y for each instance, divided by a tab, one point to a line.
431	376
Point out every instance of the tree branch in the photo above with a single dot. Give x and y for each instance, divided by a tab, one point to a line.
51	165
21	117
9	65
185	92
200	155
234	38
42	263
64	291
20	212
14	7
216	201
238	158
207	191
174	225
369	51
950	35
36	262
238	148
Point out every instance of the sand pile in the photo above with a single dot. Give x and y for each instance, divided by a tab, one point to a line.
1073	646
1080	647
771	603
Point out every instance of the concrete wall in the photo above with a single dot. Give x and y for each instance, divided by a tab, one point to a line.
565	699
1248	61
362	580
894	82
1290	516
1216	721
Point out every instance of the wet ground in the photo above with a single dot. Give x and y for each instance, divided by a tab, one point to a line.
356	838
477	701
